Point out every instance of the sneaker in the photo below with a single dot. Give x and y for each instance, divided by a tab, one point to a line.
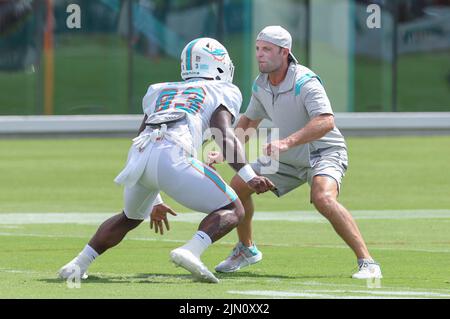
187	260
72	269
240	257
368	270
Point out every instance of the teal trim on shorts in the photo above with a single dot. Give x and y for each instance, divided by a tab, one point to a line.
229	192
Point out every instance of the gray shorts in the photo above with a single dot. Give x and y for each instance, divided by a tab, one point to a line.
288	177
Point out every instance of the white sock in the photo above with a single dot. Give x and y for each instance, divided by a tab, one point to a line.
87	256
362	260
198	244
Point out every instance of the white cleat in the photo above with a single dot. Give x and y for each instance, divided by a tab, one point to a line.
187	260
240	257
368	270
71	270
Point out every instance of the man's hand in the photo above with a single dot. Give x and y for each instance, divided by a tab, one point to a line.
260	184
159	215
214	157
274	148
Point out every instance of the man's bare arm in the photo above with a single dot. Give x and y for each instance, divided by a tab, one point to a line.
228	142
315	129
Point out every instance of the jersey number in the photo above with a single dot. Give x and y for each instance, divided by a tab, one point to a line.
190	100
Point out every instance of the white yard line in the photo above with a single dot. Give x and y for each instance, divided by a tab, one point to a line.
192	217
310	284
261	244
85	237
337	294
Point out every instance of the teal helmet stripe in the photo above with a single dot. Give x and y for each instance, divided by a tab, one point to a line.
189	54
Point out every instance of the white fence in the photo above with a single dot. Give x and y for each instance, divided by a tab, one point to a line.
354	124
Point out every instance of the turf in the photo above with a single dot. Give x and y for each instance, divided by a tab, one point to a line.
76	175
301	259
139	266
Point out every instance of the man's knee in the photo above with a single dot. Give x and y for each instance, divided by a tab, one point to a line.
324	202
126	222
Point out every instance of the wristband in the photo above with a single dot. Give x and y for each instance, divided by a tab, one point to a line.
158	200
247	173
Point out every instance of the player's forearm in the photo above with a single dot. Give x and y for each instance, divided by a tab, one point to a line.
232	150
246	128
315	129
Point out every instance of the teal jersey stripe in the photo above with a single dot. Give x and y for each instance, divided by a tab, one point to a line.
215	178
255	87
189	54
300	82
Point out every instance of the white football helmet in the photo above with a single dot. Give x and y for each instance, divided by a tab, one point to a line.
206	58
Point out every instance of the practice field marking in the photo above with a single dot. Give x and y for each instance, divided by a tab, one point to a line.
221	242
85	237
19	271
336	294
353	286
292	216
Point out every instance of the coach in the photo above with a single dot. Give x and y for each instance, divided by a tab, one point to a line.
310	148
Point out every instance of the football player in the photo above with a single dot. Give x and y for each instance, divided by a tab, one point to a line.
163	158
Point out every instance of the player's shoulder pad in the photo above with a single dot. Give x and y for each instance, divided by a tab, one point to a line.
150	96
235	90
304	75
228	95
228	90
155	87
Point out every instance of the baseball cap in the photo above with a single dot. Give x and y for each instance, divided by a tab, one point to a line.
278	36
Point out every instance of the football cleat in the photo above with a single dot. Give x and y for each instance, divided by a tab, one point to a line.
368	270
186	259
240	257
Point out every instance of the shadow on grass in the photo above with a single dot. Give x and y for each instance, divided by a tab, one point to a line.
127	279
158	278
246	274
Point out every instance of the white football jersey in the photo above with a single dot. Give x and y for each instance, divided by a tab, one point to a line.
161	165
197	97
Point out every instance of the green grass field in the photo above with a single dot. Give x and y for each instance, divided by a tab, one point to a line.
397	188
